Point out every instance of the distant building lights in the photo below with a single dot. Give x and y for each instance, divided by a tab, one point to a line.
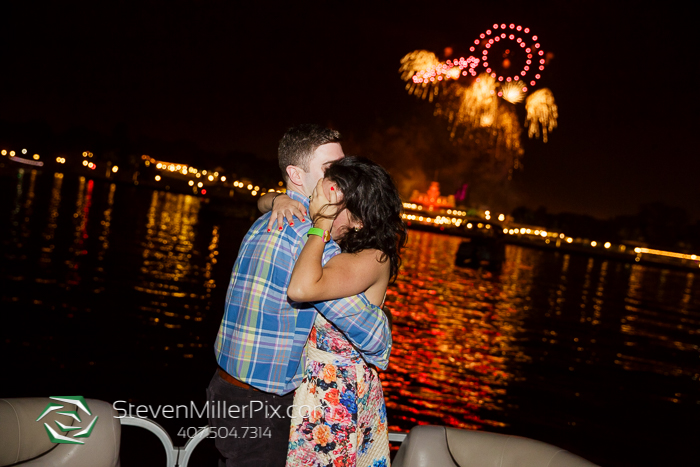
607	245
191	183
569	240
594	243
35	157
85	163
12	153
671	254
157	178
200	185
115	169
223	179
211	178
250	187
24	151
253	192
501	217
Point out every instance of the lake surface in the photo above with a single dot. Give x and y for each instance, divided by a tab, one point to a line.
116	292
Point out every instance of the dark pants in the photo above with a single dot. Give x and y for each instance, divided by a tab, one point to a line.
251	428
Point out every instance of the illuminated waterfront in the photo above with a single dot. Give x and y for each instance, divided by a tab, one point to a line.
116	292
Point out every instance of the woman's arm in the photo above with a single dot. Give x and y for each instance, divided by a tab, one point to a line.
344	275
281	206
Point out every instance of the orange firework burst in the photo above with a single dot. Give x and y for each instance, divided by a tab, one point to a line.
542	113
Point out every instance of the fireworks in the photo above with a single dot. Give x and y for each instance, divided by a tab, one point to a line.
541	113
415	62
423	72
480	111
506	43
477	117
509	42
512	92
508	130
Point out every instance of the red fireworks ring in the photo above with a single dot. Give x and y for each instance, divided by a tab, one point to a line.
518	35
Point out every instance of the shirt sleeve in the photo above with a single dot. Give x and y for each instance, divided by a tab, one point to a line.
364	324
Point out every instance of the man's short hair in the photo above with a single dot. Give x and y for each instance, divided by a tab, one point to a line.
298	144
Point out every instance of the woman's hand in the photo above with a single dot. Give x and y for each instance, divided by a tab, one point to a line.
285	207
322	209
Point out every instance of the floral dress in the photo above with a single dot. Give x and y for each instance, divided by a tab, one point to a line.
339	417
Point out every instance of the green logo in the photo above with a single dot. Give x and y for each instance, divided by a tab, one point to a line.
80	403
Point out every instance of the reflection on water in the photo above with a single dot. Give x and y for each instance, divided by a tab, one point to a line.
175	277
115	288
78	250
453	340
48	247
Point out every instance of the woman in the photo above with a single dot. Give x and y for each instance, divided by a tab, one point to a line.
340	416
340	413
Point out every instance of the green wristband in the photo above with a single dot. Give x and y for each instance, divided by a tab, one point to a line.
324	234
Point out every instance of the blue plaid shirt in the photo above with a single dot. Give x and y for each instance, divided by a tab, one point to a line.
262	335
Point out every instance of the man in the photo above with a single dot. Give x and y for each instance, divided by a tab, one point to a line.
260	343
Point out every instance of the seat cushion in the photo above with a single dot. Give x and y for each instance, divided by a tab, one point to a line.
30	440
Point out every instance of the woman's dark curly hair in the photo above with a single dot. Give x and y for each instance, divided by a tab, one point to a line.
371	197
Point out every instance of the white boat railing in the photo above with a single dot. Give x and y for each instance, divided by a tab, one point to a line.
180	456
175	456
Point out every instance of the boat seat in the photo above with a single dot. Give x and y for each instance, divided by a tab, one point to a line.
25	440
438	446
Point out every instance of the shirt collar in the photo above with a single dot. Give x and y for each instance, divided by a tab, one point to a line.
296	196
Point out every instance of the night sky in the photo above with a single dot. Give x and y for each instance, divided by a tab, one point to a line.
231	77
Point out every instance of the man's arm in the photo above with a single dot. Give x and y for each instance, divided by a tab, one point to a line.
365	325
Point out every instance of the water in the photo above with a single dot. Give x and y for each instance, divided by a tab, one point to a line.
116	293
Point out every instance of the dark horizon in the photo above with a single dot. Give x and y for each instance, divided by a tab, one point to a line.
225	79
